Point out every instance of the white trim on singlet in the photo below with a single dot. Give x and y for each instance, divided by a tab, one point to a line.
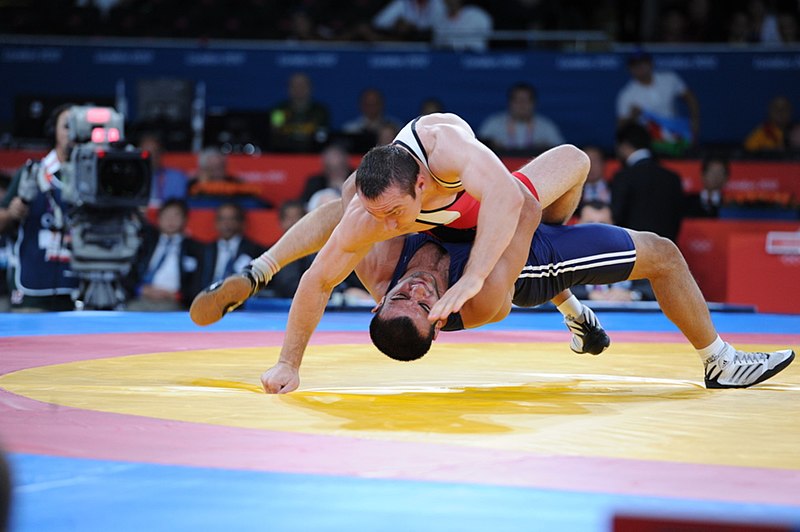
582	263
409	139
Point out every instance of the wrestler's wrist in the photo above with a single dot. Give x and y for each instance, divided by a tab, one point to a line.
288	363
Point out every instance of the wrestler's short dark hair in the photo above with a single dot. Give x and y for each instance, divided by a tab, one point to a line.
398	338
384	166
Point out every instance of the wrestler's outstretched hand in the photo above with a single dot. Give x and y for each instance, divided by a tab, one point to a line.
465	289
281	378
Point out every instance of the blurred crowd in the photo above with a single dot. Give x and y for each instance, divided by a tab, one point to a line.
444	23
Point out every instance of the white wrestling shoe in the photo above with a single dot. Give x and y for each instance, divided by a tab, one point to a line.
588	335
210	305
739	369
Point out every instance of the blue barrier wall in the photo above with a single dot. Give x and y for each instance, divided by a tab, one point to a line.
577	90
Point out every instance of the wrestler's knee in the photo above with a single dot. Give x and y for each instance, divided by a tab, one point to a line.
655	255
579	160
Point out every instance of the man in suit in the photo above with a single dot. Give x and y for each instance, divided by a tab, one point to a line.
168	272
707	202
645	196
231	252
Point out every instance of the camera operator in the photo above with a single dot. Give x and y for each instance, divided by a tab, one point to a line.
33	205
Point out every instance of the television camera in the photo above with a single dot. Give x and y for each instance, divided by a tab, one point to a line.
104	185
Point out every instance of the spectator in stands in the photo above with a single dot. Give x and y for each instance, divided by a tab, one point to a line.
231	251
788	27
33	207
649	98
596	187
463	28
169	268
336	169
674	25
284	283
598	212
167	183
707	202
299	123
770	135
387	134
212	167
323	196
523	15
703	22
520	128
302	26
214	182
363	130
645	196
763	22
739	29
409	19
431	105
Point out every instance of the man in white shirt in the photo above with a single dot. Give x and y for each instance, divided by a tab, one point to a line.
464	28
520	128
403	17
651	96
231	252
169	266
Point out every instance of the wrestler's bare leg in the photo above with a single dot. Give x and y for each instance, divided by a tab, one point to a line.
558	176
677	293
680	299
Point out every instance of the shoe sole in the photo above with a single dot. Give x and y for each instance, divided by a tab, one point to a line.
767	374
210	305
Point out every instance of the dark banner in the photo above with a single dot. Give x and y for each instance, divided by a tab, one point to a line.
576	90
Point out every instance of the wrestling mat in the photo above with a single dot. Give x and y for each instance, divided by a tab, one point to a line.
132	421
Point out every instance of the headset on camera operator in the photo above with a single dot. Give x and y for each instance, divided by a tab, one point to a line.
40	263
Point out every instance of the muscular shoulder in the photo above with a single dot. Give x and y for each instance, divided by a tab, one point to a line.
448	140
436	124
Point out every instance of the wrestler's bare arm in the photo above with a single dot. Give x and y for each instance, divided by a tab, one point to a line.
493	302
311	232
454	151
347	245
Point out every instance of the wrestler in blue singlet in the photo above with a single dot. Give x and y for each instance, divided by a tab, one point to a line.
560	257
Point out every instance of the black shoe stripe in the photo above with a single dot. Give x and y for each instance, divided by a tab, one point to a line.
736	373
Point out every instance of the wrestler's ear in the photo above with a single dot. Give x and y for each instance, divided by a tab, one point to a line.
438	327
420	184
377	307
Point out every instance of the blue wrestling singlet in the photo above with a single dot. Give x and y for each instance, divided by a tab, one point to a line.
560	257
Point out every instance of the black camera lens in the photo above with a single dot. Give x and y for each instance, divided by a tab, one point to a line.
122	178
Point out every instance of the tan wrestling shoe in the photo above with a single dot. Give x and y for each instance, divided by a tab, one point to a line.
210	305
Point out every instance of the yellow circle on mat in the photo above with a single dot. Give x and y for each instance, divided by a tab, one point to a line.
638	400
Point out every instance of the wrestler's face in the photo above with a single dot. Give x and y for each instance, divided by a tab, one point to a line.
395	208
412	297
